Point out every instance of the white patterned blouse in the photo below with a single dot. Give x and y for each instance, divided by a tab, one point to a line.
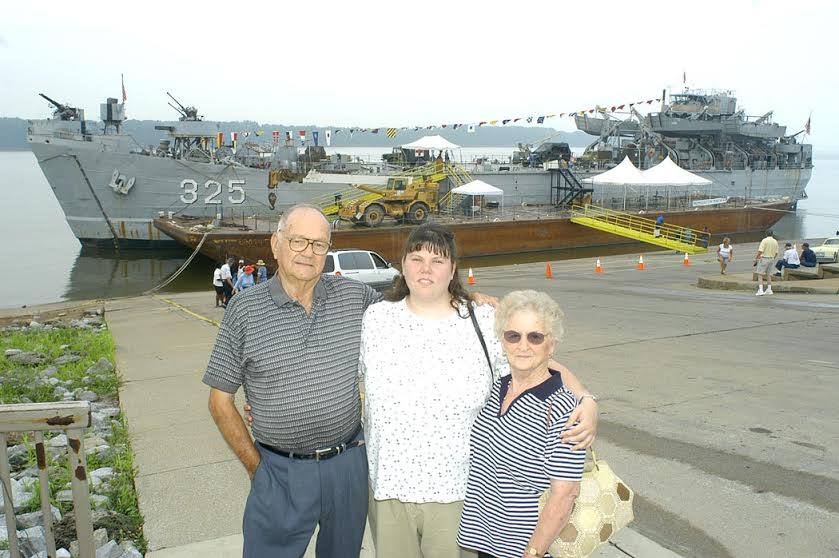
425	381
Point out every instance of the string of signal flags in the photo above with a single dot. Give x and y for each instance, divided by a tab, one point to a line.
391	132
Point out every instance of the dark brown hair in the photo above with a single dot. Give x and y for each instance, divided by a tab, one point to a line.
439	240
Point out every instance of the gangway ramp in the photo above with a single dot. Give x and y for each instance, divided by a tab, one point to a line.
674	237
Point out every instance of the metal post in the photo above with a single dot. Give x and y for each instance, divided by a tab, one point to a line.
6	480
44	482
81	493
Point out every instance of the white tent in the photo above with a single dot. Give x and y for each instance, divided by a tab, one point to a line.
479	188
624	174
669	173
437	143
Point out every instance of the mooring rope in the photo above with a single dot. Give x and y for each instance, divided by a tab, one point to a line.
180	269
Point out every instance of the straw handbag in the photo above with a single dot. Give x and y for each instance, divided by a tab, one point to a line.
603	507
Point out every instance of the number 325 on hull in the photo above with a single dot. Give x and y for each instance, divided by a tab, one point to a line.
235	190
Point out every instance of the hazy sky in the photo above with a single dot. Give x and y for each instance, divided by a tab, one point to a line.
396	63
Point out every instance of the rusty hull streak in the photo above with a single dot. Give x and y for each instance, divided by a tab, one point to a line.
75	444
41	456
61	421
81	473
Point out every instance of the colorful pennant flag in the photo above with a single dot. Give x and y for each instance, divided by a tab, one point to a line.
275	136
471	129
288	136
540	119
391	133
302	134
328	134
315	137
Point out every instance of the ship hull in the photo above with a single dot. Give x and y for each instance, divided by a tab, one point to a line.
483	238
80	173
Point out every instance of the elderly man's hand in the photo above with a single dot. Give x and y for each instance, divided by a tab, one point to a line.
582	433
248	416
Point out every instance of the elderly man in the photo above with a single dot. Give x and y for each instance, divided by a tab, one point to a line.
292	343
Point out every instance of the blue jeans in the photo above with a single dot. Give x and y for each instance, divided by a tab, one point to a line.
781	264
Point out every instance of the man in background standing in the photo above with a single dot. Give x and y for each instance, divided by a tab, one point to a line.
227	280
765	257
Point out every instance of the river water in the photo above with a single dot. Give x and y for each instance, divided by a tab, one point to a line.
48	264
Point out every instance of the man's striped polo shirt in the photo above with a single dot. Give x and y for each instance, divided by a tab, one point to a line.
299	371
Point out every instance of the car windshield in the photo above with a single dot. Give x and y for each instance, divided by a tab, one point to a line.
831	242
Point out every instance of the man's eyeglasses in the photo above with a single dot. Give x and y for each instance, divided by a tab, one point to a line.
533	337
319	247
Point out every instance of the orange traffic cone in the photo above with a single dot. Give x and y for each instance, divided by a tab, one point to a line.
597	267
686	261
549	273
471	279
641	262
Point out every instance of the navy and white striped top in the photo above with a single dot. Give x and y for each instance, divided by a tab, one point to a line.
513	458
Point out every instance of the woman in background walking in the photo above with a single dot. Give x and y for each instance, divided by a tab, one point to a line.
725	254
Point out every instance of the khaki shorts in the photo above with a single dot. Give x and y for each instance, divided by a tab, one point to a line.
407	530
764	265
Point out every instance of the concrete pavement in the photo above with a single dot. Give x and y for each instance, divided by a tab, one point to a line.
717	407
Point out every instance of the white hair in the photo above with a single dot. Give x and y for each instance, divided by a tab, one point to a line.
548	311
287	215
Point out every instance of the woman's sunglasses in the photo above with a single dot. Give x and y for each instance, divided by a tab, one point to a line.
533	337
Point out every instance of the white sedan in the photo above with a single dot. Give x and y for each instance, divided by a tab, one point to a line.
828	251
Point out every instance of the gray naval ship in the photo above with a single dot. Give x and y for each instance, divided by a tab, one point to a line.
111	187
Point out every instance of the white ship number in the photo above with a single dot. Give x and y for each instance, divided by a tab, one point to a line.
234	188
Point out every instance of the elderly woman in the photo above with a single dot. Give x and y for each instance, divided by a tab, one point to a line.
516	451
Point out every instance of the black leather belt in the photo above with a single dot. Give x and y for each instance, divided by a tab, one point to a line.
319	454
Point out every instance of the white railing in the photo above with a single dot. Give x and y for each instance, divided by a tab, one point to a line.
70	417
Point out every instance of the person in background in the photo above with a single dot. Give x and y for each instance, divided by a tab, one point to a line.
227	279
238	270
658	222
218	285
245	279
706	236
725	254
261	272
790	259
808	257
765	257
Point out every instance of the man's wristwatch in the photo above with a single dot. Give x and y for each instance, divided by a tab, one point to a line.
531	551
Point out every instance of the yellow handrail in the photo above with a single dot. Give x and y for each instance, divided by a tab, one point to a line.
641	228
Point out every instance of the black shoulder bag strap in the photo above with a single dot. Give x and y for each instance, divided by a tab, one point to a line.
481	339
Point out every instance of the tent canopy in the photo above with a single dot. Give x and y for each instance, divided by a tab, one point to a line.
438	143
624	174
668	172
478	188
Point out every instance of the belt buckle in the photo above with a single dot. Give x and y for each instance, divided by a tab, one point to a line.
320	452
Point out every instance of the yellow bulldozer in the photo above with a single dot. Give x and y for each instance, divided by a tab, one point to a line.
404	198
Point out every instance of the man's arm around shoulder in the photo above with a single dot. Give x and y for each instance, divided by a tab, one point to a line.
232	427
